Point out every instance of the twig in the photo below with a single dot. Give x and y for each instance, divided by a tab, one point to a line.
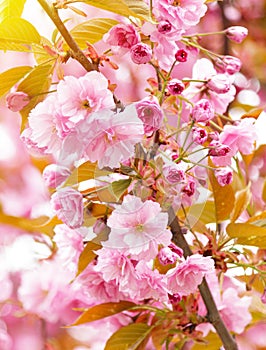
75	51
213	313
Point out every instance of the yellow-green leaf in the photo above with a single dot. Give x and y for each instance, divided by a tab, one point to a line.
224	198
11	8
203	212
87	255
211	342
247	234
92	31
126	8
242	199
36	85
10	77
103	310
128	337
119	187
17	34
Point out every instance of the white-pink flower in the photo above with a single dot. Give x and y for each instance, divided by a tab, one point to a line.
109	137
54	175
149	111
137	228
68	206
185	277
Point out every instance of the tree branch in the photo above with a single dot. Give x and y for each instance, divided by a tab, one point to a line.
213	313
75	51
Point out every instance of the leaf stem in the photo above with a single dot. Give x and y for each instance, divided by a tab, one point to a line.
75	51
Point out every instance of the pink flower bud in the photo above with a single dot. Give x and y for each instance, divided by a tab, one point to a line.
16	101
149	111
199	135
190	187
229	64
224	176
174	298
173	174
68	205
176	249
164	27
141	53
167	256
219	83
54	175
203	111
99	226
217	149
236	33
175	87
181	55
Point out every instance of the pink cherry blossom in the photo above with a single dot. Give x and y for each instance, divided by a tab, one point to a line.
175	87
138	228
199	135
109	137
174	173
203	69
68	206
167	256
122	37
202	111
55	175
140	53
150	112
181	55
186	276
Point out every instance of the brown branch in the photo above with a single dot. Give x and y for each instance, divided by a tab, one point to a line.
213	313
75	51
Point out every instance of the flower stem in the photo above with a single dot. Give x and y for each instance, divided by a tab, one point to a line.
75	51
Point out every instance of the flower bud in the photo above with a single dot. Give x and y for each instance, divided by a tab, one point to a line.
16	101
219	83
224	176
199	135
203	111
176	249
175	87
174	298
141	53
173	174
190	187
236	33
181	55
164	27
167	256
54	175
217	149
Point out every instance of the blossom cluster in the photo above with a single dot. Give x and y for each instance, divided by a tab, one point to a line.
116	171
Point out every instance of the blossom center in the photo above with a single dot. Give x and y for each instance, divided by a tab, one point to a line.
86	105
140	228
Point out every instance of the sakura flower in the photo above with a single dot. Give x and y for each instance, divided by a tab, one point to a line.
109	137
137	228
54	175
181	55
174	173
203	69
186	276
202	111
175	86
167	256
68	205
122	37
199	135
79	97
149	111
140	53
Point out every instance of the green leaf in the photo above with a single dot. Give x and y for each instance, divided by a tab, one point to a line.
210	342
11	8
224	198
126	8
128	337
17	34
247	234
119	187
242	199
103	310
92	31
36	84
87	255
10	77
203	212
